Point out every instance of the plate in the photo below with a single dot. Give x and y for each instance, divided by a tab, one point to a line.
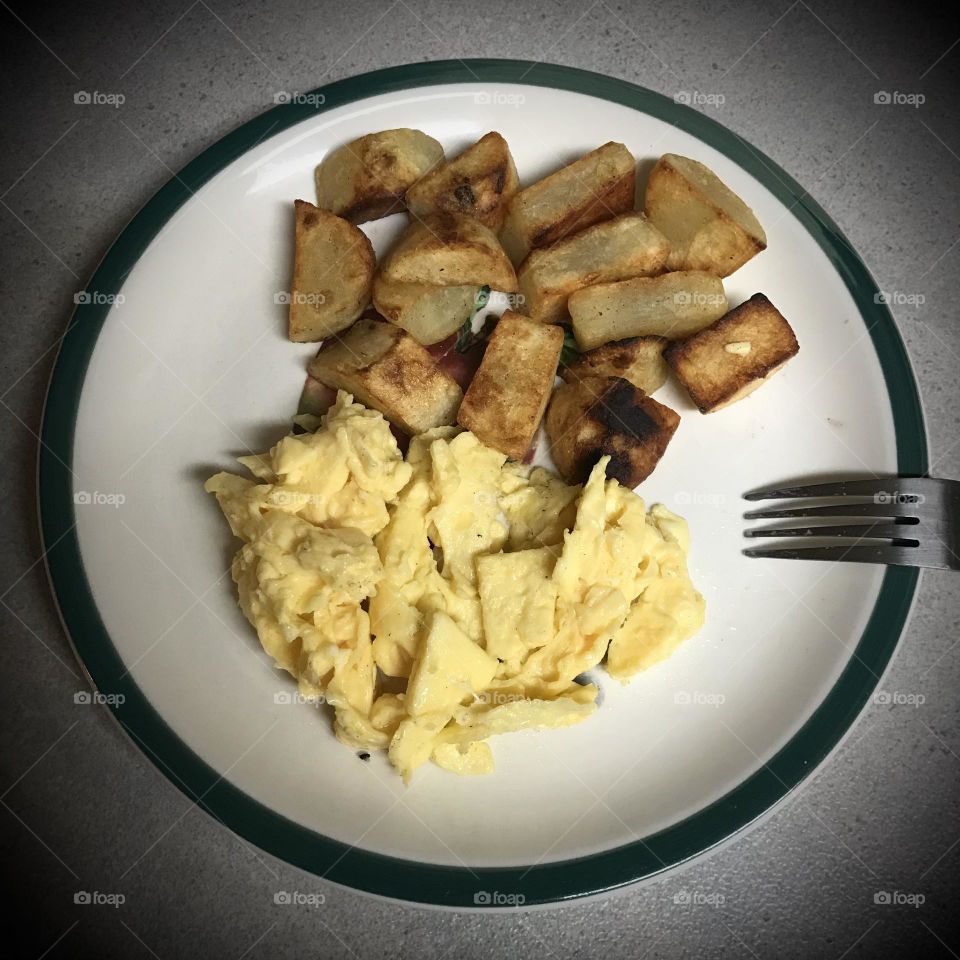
175	361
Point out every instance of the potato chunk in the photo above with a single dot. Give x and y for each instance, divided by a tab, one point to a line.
478	183
368	178
627	246
333	264
386	369
449	249
427	312
709	227
673	305
509	392
608	416
732	357
639	360
600	185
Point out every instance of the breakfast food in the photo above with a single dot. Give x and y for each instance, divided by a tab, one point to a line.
387	369
481	589
504	403
731	358
600	185
333	266
478	183
607	417
709	227
429	313
618	249
672	305
638	359
449	249
369	177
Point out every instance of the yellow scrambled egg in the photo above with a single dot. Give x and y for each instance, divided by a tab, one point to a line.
438	600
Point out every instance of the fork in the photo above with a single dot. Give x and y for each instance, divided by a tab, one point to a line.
903	521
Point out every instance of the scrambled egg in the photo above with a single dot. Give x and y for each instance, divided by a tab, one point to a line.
478	588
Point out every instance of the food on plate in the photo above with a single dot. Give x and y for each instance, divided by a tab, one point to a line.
333	266
429	313
673	305
385	368
449	249
638	359
480	589
509	392
607	417
368	178
618	249
729	359
598	186
709	227
477	182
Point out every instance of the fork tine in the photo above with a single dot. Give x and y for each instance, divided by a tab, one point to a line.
903	510
889	487
854	553
898	532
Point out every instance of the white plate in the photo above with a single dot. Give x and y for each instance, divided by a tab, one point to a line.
178	362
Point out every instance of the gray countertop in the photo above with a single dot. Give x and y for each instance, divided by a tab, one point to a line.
81	805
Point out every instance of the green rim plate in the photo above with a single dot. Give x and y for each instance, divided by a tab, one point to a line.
375	873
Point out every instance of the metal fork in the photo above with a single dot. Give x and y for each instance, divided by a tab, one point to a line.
903	521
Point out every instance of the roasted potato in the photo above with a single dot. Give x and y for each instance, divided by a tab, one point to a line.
368	178
450	250
709	227
627	246
607	416
333	264
427	312
596	187
732	357
639	360
673	305
386	369
478	183
509	392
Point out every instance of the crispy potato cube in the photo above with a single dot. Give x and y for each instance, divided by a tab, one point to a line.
478	183
639	360
618	249
607	416
598	186
333	264
386	369
672	305
449	250
427	312
709	227
369	177
504	403
732	357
